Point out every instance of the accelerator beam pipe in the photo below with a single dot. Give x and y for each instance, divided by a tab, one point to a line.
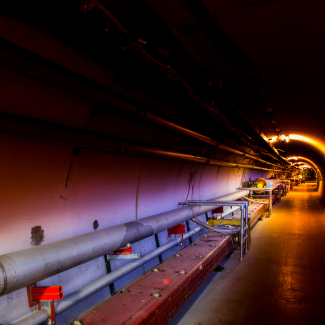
21	268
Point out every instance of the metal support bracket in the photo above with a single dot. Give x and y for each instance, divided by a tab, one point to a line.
37	294
123	257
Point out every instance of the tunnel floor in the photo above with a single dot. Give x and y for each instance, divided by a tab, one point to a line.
282	278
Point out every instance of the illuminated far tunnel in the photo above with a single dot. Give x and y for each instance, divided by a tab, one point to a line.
146	147
306	148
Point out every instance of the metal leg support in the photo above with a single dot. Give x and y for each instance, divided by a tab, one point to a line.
270	203
243	205
246	226
242	232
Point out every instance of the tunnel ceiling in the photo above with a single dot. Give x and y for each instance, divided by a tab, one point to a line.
260	62
284	39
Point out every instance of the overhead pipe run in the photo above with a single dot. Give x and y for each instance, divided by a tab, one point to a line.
186	157
27	266
72	299
97	91
37	129
202	138
213	110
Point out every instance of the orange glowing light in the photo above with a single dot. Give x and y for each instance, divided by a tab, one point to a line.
313	141
301	138
306	165
273	139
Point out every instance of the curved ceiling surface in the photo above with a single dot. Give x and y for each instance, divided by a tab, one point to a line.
266	57
285	41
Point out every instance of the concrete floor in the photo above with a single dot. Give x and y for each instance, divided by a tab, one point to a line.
282	278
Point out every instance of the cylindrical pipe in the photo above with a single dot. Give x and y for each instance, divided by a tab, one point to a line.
163	153
174	73
200	137
220	231
72	299
254	201
34	128
33	264
85	68
119	25
180	129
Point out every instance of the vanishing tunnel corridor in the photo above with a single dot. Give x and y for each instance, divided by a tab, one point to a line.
131	128
281	280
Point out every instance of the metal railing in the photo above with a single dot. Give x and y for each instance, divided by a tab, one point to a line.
243	205
256	189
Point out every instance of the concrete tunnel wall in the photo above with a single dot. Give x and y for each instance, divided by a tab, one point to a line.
111	189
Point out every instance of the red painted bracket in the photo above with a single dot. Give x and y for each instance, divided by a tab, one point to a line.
123	251
177	230
37	294
217	210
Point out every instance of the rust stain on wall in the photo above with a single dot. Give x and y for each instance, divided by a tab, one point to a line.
37	236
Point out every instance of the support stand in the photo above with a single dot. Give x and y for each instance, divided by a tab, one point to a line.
37	294
244	217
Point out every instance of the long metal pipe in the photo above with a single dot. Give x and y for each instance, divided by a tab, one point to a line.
244	217
27	266
255	189
39	129
223	231
254	201
173	72
139	149
203	138
92	87
72	299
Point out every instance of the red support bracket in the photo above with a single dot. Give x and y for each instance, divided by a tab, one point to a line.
123	251
38	294
177	230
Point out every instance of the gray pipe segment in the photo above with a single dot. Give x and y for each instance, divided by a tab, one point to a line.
27	266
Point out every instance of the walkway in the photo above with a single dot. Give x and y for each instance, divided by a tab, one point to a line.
282	279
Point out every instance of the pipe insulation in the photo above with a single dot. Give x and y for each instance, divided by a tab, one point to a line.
72	299
27	266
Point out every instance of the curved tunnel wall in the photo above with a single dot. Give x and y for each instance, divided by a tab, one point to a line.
111	189
38	207
319	175
310	148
